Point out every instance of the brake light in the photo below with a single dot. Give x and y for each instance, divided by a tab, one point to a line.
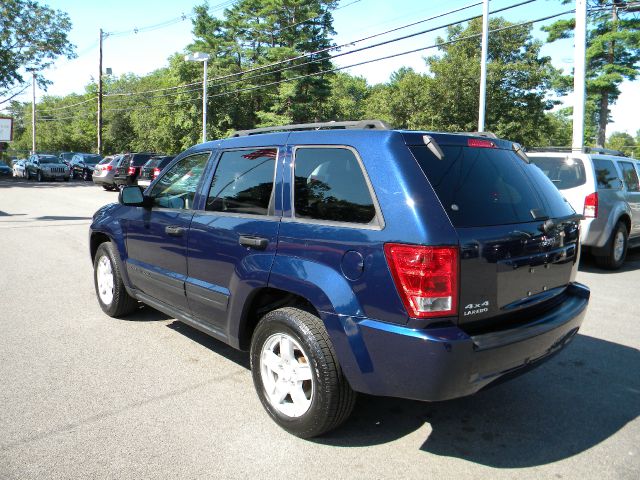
156	172
591	205
131	171
479	143
426	278
108	168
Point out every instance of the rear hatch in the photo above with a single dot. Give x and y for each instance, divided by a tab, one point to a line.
518	236
147	169
123	166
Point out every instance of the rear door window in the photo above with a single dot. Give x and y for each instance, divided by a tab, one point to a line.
488	186
629	176
606	174
330	185
565	173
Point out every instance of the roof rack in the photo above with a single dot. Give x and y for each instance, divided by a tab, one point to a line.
358	124
604	151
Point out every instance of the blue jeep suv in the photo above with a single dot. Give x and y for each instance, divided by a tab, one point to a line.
350	257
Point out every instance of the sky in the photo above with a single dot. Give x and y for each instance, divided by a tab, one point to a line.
125	51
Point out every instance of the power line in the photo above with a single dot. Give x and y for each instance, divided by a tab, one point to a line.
322	50
404	37
428	47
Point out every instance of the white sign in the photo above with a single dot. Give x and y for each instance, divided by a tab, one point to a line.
6	129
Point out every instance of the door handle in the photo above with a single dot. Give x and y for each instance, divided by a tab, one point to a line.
174	231
258	243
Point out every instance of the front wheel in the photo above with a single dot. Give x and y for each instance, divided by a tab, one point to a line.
27	175
297	375
39	176
616	249
112	295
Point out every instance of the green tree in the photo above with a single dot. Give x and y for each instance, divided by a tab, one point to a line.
613	55
623	142
32	36
518	80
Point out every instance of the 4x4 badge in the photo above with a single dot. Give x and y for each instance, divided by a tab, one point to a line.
475	308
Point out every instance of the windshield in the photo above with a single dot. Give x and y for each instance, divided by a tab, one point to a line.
490	186
48	159
563	172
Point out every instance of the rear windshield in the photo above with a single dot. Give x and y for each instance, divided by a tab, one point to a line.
487	186
563	172
140	159
92	159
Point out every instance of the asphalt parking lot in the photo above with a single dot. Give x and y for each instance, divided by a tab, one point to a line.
86	396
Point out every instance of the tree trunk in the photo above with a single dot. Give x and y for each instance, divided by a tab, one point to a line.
602	119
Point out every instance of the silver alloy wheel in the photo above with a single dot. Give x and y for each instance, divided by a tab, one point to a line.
618	246
104	278
286	375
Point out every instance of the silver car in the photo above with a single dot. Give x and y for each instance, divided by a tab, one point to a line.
605	188
105	170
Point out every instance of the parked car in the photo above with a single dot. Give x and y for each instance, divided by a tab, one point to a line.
105	171
152	169
46	167
66	157
19	168
83	164
348	257
129	168
606	190
5	170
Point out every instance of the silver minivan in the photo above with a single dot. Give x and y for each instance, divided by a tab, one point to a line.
606	190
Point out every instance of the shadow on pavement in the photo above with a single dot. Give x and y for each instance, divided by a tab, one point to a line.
632	262
57	217
566	406
216	346
22	183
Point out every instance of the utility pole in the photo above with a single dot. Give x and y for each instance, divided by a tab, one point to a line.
483	65
100	95
33	112
201	57
579	61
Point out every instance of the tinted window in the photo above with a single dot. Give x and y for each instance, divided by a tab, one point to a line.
329	185
243	182
487	186
606	174
629	176
563	172
177	187
92	159
140	159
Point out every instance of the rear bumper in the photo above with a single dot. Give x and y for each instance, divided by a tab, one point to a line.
126	180
444	363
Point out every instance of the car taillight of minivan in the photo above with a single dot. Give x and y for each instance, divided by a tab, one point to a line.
591	205
156	172
131	171
426	278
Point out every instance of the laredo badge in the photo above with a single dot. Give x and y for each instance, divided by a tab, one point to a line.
475	308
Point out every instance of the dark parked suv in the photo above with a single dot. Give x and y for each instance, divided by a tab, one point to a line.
129	168
348	257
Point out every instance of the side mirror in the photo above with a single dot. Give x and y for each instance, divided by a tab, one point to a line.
132	196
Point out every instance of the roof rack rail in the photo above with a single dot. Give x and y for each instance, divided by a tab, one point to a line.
604	151
357	124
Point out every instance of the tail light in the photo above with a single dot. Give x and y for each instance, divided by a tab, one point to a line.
131	171
108	168
426	278
591	205
156	172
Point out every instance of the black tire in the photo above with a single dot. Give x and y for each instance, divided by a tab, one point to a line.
26	175
122	303
66	179
332	399
106	187
86	176
613	258
39	176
